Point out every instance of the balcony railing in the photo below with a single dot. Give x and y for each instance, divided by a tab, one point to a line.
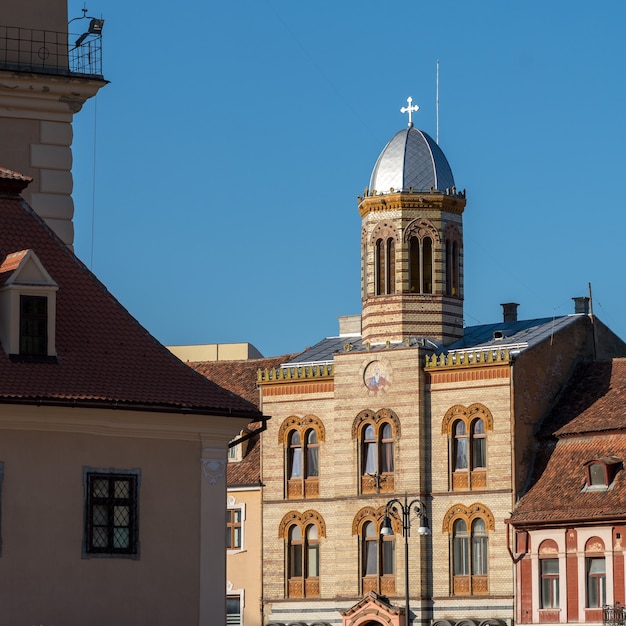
50	52
614	615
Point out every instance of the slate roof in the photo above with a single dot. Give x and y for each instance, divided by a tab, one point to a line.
588	423
522	334
105	358
240	377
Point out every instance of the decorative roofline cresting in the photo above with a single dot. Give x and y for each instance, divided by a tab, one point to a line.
469	358
297	372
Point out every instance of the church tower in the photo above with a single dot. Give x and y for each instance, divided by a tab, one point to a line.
46	75
412	243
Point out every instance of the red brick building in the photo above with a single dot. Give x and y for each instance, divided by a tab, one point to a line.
570	525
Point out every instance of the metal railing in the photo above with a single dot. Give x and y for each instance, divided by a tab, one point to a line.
614	615
50	52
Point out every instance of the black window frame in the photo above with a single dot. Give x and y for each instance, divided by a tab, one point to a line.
33	325
110	501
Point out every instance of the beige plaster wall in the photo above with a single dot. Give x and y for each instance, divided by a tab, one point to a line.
179	576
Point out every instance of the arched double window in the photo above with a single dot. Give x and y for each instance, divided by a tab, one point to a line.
302	533
467	434
385	266
377	552
301	438
376	433
469	548
421	238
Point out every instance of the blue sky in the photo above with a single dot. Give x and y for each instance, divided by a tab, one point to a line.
216	176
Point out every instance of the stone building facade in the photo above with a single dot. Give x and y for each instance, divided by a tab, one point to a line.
408	417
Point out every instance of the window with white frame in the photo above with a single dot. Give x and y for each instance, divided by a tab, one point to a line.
235	518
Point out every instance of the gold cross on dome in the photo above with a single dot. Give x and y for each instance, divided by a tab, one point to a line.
410	109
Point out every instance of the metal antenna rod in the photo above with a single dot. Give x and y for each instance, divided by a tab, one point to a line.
437	104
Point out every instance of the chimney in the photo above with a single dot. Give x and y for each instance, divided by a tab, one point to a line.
509	310
581	305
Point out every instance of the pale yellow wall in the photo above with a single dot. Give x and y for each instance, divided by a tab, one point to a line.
244	567
216	352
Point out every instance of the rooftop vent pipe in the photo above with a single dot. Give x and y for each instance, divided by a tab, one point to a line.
509	310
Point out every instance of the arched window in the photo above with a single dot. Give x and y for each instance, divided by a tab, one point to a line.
461	446
312	455
301	438
377	457
467	430
414	265
295	455
385	266
595	573
301	533
549	574
427	264
420	256
303	561
469	548
378	559
469	557
452	268
479	445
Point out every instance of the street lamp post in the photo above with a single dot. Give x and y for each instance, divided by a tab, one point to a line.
403	510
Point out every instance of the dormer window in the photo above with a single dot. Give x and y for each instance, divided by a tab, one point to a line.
34	325
600	473
27	307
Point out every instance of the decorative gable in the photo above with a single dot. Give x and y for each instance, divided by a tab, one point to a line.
27	306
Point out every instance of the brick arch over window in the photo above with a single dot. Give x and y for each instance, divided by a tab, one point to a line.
374	418
594	544
301	519
469	514
458	411
422	228
302	424
376	515
384	230
300	438
548	546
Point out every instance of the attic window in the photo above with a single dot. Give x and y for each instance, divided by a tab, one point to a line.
600	473
34	325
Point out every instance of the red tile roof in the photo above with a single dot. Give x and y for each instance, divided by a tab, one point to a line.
588	423
104	356
240	378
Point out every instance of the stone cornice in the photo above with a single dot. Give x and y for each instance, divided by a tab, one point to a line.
418	201
22	93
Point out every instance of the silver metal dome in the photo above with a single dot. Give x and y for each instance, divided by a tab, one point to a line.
412	159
